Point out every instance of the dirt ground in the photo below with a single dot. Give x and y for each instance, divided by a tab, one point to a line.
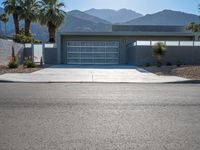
20	69
190	72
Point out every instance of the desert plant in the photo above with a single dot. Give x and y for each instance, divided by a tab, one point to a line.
41	61
147	64
159	51
13	64
193	27
51	16
29	63
179	63
13	60
22	38
168	64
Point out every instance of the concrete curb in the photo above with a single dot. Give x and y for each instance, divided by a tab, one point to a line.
176	82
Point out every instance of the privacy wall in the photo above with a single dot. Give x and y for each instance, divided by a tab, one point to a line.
141	55
6	51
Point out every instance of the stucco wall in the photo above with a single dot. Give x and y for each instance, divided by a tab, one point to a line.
6	51
50	56
141	55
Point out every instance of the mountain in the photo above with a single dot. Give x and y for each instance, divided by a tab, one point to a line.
75	21
113	16
166	17
81	15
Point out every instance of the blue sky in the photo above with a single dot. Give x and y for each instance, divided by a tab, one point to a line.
141	6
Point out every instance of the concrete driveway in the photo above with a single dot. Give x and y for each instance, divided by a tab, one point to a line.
91	73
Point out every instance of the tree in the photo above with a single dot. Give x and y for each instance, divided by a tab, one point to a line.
29	12
4	18
159	51
52	16
193	27
12	7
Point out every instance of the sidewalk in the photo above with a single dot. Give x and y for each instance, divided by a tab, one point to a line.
107	74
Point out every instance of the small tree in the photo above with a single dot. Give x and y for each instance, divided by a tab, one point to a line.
159	51
13	60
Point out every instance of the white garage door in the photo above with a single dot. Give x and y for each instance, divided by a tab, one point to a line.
92	52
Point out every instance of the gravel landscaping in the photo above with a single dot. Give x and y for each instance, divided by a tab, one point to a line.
190	72
20	69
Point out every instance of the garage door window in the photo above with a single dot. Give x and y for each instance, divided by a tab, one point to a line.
92	52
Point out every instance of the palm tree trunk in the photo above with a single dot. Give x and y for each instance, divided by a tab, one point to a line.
52	32
27	27
16	22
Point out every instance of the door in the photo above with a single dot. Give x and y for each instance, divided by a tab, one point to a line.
92	52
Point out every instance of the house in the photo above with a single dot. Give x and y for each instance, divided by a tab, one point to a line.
126	44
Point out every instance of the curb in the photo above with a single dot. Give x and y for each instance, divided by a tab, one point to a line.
35	82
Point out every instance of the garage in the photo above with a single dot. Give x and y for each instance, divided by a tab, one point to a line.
92	52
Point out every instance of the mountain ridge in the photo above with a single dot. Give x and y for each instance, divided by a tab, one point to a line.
114	16
165	17
78	21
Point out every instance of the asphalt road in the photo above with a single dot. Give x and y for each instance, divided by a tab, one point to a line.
99	116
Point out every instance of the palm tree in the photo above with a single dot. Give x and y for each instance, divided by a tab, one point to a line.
159	51
29	12
52	16
193	27
4	18
12	7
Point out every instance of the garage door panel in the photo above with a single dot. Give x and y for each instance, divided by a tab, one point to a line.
73	49
112	55
92	52
74	61
87	55
74	55
111	61
99	61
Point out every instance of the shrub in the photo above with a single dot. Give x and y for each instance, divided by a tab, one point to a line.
29	63
178	63
41	61
159	64
147	64
22	38
13	64
168	64
13	60
159	50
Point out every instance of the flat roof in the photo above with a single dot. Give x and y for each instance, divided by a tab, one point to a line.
149	28
127	33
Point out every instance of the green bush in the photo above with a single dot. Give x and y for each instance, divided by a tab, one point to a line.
22	38
13	64
179	63
159	64
29	63
147	64
168	64
13	61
